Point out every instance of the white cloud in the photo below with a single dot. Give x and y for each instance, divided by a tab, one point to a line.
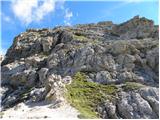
67	17
68	14
28	11
45	8
5	17
60	4
23	9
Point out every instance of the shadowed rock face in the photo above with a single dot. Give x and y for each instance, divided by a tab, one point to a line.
44	59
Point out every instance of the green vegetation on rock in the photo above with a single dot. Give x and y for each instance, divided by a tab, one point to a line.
85	96
80	38
132	86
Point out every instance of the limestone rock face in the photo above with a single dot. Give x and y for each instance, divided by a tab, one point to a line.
135	28
43	75
132	105
47	43
40	63
152	59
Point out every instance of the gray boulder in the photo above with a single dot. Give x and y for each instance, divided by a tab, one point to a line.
132	105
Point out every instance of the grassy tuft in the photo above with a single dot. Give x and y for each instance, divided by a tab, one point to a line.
132	86
85	96
80	38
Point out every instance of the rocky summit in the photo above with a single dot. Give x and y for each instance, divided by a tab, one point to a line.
103	70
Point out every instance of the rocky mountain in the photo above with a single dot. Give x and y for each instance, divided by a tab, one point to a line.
104	70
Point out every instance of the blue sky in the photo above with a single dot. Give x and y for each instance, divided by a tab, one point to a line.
18	15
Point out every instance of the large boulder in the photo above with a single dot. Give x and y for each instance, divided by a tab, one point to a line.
132	105
18	73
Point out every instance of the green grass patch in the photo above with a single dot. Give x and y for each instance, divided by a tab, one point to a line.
132	86
85	96
80	38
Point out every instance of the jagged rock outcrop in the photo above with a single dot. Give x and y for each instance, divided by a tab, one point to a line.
135	28
142	103
41	62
